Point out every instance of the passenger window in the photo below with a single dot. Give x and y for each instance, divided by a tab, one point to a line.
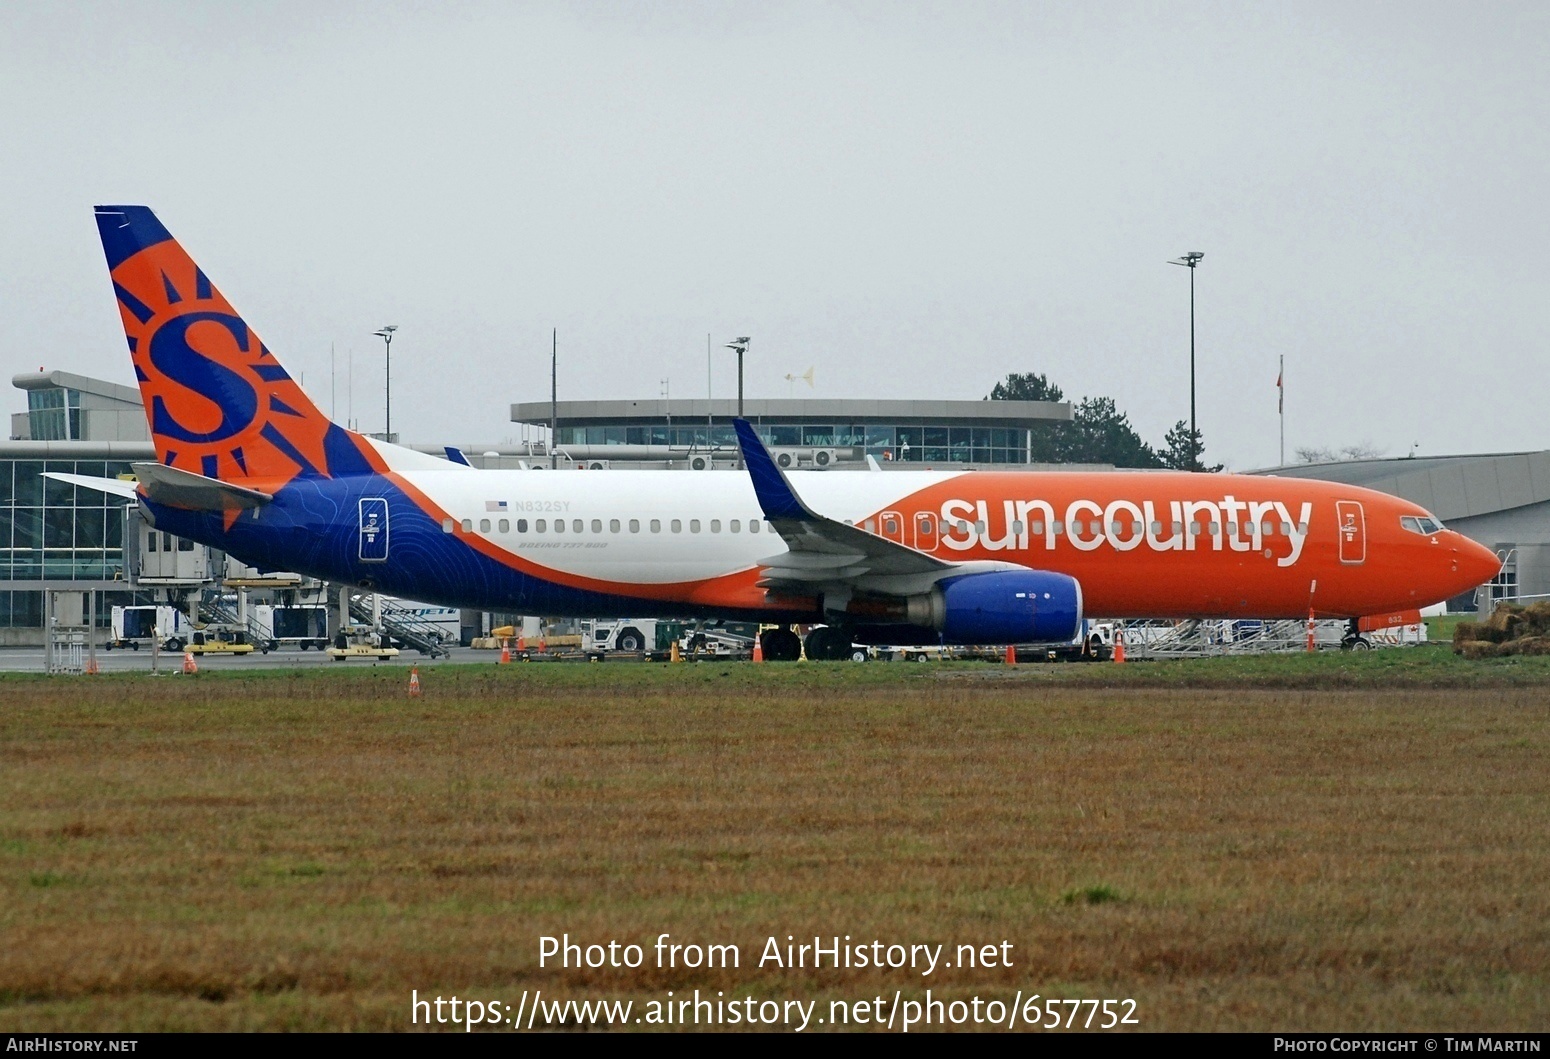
484	525
541	525
521	525
676	525
613	525
1216	527
694	525
597	525
1017	525
715	525
634	525
468	525
753	526
1037	527
735	526
447	526
576	525
656	525
1156	528
559	525
504	525
979	527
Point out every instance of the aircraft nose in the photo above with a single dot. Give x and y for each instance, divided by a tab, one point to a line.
1475	563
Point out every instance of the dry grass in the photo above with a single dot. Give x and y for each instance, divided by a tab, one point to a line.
288	852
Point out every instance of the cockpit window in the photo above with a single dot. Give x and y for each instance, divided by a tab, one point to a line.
1424	524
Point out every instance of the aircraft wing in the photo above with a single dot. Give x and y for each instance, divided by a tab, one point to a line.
823	553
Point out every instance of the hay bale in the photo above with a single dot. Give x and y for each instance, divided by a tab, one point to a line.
1465	631
1474	649
1533	645
1536	617
1505	618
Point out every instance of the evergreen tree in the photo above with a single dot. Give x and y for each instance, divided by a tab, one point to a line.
1030	386
1182	451
1100	433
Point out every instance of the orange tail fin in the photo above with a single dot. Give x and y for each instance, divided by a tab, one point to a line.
218	402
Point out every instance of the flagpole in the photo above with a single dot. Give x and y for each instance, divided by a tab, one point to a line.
1281	405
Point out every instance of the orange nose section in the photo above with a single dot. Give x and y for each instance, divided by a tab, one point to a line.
1475	563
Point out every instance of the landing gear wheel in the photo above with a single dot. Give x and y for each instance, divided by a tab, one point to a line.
859	654
828	643
780	645
1357	643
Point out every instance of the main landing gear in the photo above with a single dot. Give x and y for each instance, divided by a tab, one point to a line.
780	645
828	643
1353	640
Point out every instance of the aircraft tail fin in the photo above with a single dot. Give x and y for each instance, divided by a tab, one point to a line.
218	402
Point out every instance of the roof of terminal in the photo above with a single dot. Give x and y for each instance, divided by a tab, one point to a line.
809	410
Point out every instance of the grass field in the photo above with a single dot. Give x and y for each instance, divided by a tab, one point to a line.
1330	842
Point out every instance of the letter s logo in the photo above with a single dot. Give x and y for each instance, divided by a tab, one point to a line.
203	376
954	513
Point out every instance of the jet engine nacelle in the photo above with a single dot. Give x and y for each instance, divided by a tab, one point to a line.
1014	606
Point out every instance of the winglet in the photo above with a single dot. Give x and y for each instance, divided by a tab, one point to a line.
455	455
776	497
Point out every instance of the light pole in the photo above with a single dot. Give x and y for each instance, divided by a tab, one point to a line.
740	345
1189	261
386	334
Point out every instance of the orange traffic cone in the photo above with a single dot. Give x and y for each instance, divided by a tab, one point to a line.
188	663
758	648
1119	647
414	682
521	643
91	667
1011	655
1310	646
505	653
673	654
543	645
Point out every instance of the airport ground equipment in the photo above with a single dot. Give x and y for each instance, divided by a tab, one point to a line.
136	625
220	640
402	625
360	641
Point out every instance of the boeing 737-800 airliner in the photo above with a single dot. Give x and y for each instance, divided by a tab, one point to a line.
247	463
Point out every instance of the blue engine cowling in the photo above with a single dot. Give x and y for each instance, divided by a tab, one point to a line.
1015	606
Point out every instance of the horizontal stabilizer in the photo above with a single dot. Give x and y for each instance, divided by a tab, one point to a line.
195	492
111	486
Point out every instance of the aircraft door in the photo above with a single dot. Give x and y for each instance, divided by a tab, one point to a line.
925	531
892	525
374	529
1353	531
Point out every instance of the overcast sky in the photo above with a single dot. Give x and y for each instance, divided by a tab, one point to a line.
913	199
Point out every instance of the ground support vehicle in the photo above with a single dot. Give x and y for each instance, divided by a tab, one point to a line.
220	640
135	625
361	641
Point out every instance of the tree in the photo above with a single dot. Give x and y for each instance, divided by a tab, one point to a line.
1044	437
1100	433
1364	451
1030	386
1183	448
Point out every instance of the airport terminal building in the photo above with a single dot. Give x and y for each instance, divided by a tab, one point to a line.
58	537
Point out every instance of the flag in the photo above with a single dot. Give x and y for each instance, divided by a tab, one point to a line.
1281	391
495	505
